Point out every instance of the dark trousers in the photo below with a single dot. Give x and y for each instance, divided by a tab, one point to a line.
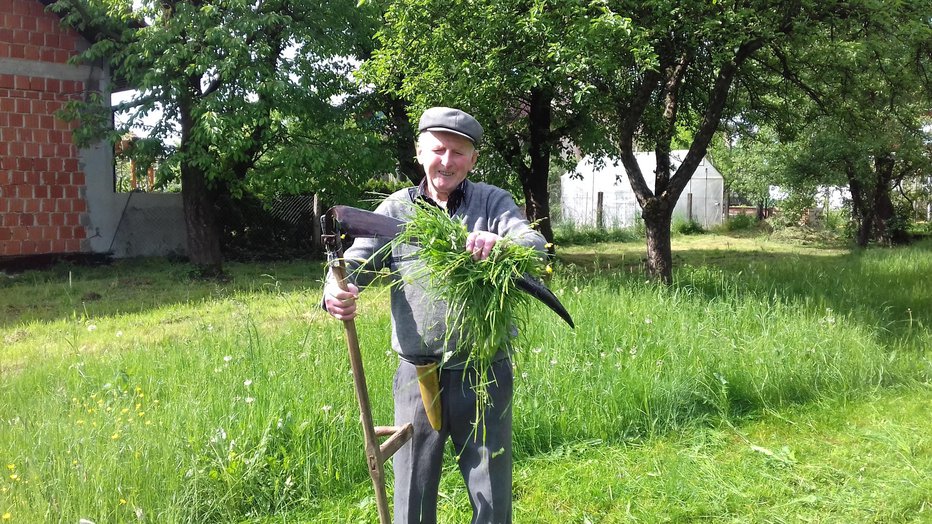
484	458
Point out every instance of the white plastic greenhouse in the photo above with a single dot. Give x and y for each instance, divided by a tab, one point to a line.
603	185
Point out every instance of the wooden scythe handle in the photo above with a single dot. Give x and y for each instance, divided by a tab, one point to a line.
376	454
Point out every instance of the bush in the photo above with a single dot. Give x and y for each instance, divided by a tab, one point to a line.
568	233
687	227
921	229
739	223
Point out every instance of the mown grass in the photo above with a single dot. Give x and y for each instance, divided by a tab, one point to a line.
748	391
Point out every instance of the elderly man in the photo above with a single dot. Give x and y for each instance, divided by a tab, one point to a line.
446	148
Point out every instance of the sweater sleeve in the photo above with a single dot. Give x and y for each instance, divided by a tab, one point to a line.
507	220
367	256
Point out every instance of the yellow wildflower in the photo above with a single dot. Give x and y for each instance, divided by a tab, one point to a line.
14	476
7	516
115	436
11	467
549	269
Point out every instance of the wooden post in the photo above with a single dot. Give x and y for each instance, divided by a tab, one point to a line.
599	214
689	207
376	454
316	246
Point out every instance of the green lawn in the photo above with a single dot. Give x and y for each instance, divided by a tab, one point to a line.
772	382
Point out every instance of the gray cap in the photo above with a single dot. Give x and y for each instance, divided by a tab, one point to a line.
452	121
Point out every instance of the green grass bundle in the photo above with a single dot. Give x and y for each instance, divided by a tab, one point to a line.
483	303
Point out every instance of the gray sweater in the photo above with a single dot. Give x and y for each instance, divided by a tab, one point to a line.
418	320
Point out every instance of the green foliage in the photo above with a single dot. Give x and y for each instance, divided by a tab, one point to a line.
682	226
739	223
751	165
793	209
244	91
921	229
568	232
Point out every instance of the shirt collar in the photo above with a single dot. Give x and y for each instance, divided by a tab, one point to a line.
454	201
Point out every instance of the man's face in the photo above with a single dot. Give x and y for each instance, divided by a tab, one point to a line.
447	159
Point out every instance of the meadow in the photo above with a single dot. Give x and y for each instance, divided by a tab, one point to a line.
772	382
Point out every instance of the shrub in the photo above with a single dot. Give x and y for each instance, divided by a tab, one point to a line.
569	233
740	223
687	227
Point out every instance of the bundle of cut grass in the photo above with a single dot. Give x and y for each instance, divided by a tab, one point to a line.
483	303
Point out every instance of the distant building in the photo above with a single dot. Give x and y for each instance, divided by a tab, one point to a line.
603	184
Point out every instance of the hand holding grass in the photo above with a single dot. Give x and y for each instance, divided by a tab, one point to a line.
480	244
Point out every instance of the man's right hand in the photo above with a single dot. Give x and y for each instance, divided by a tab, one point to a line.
341	304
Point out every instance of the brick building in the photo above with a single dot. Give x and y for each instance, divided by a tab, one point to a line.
56	198
42	183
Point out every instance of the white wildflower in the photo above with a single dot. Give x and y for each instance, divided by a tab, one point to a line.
247	382
92	327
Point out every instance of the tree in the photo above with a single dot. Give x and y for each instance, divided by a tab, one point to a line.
748	165
239	85
699	50
859	92
515	65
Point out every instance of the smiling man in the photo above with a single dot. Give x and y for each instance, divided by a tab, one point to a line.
447	150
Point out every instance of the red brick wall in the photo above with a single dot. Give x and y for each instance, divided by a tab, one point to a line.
42	204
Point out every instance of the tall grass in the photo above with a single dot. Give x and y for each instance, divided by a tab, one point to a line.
205	403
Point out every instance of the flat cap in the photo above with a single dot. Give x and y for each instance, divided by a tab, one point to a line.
451	120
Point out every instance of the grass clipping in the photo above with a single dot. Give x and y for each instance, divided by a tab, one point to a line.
483	304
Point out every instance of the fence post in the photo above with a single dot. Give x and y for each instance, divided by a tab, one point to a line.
317	246
599	215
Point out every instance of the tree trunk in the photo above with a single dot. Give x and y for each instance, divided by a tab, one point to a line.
658	217
536	190
403	139
199	199
200	217
889	231
860	209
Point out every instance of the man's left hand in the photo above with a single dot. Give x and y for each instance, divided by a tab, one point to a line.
480	244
